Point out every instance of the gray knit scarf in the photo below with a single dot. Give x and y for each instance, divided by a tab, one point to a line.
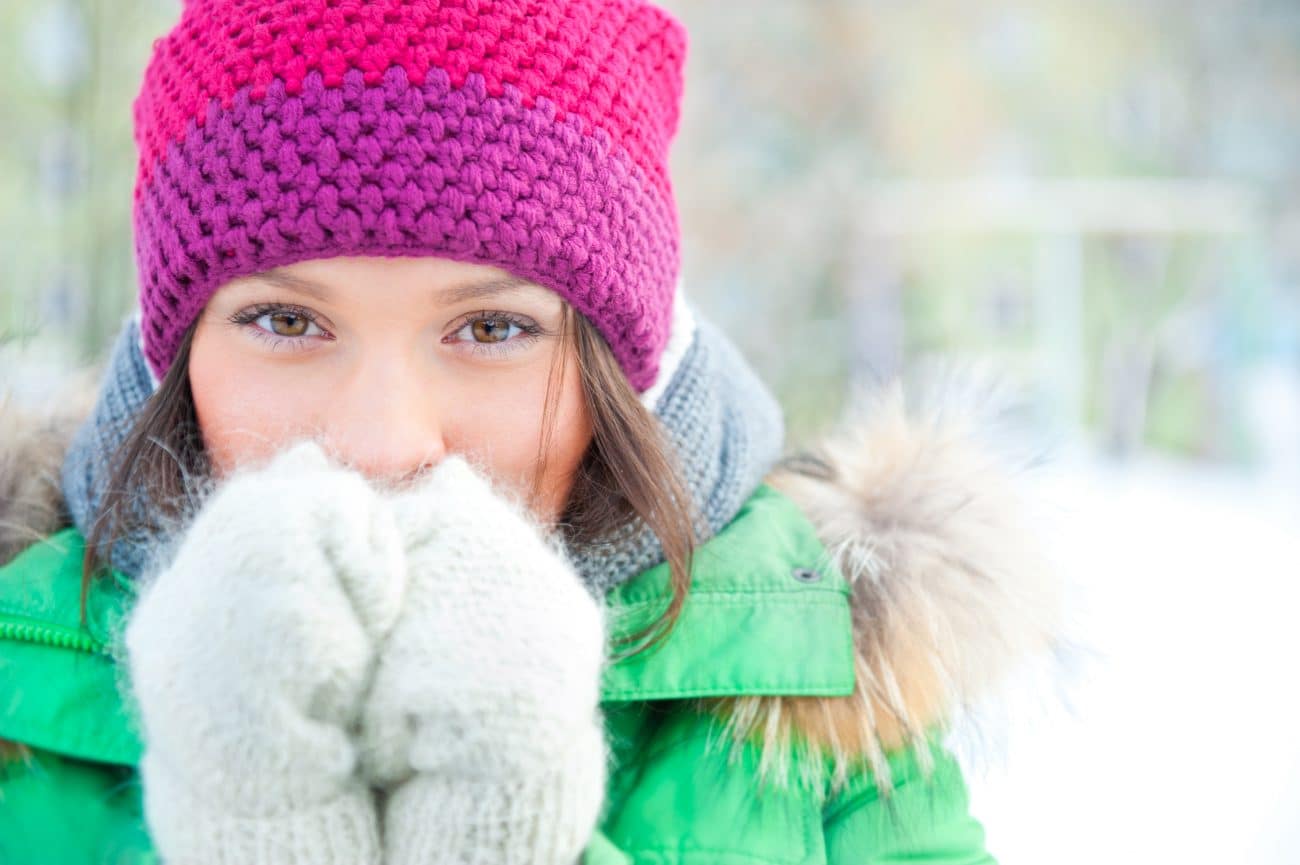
725	424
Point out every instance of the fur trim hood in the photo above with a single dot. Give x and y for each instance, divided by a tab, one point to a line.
921	504
32	444
949	593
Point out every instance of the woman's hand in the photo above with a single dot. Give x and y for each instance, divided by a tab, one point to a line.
250	655
483	723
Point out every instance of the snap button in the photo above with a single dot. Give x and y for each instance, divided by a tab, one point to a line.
806	575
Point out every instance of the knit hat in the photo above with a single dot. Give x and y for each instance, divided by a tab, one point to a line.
528	134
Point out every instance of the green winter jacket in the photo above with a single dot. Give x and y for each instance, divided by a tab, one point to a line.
768	614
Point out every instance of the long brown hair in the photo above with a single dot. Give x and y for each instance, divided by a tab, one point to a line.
628	472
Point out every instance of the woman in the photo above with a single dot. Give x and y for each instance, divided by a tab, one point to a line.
420	518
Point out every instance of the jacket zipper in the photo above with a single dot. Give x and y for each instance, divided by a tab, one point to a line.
50	635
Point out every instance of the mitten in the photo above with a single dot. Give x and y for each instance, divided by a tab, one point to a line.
483	725
249	657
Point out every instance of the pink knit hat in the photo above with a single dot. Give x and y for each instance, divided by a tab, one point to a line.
528	134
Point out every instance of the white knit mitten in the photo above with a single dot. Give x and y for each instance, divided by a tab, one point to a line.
249	657
483	724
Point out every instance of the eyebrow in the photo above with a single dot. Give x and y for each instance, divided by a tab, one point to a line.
484	288
456	294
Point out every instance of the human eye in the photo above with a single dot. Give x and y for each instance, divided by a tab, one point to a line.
280	324
495	331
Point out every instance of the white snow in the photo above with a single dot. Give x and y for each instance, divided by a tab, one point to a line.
1184	740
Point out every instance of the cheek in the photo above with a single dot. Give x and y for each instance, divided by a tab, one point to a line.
502	424
244	410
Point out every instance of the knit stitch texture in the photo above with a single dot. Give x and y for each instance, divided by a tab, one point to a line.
312	639
250	653
532	136
483	715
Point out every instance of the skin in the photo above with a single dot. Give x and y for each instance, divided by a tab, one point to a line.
392	363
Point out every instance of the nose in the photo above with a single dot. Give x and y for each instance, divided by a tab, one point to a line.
385	423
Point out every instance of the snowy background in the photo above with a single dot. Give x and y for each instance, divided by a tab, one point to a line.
1177	742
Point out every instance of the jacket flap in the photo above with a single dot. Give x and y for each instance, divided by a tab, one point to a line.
767	613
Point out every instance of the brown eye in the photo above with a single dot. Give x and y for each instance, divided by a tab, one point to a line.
288	324
491	329
280	324
492	332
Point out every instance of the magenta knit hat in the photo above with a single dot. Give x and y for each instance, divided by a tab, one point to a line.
528	134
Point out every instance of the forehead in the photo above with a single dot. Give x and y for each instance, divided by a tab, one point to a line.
437	280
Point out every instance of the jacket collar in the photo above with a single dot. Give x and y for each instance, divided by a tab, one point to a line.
767	613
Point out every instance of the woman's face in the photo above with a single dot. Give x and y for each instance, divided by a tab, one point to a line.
392	363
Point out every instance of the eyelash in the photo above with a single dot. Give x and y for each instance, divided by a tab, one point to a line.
247	318
529	329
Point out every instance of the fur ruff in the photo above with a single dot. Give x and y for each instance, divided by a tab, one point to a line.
32	444
919	506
